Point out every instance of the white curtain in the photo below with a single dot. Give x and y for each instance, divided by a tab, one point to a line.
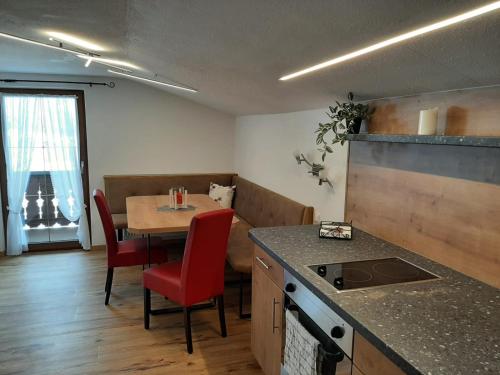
25	118
60	124
20	118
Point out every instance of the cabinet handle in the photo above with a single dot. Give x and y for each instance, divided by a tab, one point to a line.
274	314
263	264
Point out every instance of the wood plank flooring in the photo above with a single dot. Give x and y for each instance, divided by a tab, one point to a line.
53	321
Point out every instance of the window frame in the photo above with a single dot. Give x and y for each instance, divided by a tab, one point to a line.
82	127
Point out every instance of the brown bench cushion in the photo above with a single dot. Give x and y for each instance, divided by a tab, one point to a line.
262	207
240	247
118	188
120	221
259	207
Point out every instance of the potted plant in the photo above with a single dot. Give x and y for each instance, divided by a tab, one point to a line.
346	119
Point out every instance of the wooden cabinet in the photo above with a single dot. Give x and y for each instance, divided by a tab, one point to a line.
269	266
267	308
368	360
267	325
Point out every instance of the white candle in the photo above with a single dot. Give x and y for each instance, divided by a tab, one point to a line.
427	122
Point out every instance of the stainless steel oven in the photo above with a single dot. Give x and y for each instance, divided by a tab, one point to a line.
334	334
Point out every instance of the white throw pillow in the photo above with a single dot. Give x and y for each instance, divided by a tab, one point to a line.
222	194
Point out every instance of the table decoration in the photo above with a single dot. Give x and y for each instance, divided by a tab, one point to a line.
178	198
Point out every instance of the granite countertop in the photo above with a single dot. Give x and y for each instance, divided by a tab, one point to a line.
449	325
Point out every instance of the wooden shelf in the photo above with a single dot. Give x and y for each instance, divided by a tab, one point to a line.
428	139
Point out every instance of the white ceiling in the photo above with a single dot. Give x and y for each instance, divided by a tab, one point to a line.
234	51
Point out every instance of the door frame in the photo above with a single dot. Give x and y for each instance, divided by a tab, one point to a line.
82	127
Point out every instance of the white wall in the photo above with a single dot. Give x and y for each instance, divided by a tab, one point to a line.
264	154
134	129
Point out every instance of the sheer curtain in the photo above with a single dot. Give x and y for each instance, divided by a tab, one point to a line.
20	118
60	124
24	117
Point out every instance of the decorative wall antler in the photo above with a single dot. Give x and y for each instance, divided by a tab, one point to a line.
316	169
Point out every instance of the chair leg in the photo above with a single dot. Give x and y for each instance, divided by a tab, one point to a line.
147	307
222	318
106	286
242	315
187	328
109	282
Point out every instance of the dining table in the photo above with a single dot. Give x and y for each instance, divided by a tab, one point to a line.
152	214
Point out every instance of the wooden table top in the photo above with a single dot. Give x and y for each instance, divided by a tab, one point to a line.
143	216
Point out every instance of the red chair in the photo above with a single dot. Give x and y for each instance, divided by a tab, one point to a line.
124	253
200	274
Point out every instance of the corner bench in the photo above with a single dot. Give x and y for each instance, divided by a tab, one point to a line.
254	205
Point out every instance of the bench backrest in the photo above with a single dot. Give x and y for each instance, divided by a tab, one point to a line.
261	207
119	187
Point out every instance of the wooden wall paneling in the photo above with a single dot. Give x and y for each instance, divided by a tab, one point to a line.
452	220
461	112
374	203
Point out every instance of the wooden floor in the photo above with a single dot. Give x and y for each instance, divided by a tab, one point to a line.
53	321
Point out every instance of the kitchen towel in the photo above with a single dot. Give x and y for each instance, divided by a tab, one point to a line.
301	348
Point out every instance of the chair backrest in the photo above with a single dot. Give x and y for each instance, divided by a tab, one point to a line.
202	275
107	222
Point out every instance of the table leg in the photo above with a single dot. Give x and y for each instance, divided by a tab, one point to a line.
149	249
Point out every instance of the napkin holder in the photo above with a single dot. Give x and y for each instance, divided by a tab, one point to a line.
335	230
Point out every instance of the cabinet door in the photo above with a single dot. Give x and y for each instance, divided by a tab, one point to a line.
370	360
267	307
355	371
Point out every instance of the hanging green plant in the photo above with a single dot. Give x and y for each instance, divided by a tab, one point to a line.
346	119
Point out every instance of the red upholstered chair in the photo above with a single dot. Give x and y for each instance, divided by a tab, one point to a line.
200	274
124	253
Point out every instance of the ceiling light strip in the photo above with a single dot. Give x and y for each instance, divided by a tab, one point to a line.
117	64
89	61
19	39
397	39
153	81
110	62
73	40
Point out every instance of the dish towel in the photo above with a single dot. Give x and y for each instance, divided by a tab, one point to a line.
301	348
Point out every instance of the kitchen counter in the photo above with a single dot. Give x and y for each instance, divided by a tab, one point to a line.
449	325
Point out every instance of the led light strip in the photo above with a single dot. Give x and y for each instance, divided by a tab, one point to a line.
400	38
92	57
89	56
74	40
109	62
153	81
19	39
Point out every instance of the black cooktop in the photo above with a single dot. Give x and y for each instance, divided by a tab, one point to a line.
370	273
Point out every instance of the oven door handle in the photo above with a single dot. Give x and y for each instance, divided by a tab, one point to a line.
290	306
329	360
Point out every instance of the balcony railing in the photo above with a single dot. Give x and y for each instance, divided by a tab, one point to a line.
40	207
